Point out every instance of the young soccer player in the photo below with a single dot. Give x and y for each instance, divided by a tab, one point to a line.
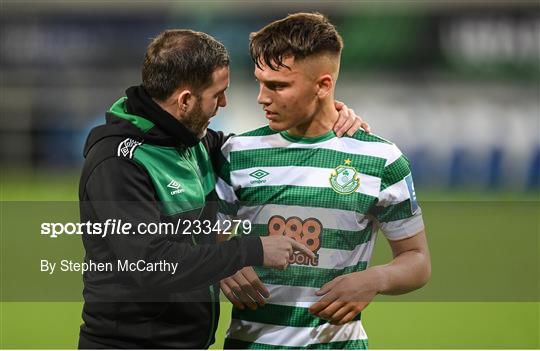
294	177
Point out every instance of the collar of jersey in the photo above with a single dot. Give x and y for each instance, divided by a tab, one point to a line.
308	140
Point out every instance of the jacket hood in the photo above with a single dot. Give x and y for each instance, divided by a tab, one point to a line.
114	127
138	117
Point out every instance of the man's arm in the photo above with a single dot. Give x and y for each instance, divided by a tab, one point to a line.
119	189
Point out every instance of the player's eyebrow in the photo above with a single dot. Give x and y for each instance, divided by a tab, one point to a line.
273	82
277	82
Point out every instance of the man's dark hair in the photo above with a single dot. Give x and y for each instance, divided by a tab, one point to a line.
299	35
180	57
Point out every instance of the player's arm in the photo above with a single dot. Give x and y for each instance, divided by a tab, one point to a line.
244	288
347	295
400	219
409	270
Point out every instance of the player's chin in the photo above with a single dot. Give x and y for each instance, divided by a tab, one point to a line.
277	126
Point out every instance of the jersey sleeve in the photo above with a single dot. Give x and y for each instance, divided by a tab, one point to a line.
228	203
397	209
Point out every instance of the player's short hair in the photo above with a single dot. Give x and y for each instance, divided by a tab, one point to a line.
179	57
298	35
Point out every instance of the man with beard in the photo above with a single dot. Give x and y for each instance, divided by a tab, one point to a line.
152	162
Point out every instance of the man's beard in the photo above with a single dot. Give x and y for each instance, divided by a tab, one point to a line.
196	121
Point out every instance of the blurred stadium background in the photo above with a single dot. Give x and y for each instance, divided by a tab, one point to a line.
455	84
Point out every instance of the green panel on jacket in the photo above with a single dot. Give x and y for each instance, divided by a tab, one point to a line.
182	177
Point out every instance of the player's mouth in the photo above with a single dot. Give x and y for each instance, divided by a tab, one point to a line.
270	114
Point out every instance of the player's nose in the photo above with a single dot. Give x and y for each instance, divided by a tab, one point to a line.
263	97
222	101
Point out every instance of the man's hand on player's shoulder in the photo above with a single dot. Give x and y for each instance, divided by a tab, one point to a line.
244	288
348	122
346	296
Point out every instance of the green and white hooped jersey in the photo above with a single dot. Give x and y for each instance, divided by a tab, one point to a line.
332	194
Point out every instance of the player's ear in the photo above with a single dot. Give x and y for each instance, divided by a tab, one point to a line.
325	84
183	100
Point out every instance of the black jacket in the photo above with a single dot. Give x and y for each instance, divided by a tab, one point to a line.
128	164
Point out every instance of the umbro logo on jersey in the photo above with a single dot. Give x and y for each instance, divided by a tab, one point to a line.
127	147
177	187
258	175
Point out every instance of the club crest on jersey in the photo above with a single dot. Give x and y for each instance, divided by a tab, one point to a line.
344	179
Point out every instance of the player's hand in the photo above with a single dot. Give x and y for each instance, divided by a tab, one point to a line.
348	122
345	297
278	249
244	288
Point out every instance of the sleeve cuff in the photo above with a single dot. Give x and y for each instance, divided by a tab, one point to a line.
402	229
254	254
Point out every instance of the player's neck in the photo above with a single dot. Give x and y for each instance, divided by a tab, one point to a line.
322	122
